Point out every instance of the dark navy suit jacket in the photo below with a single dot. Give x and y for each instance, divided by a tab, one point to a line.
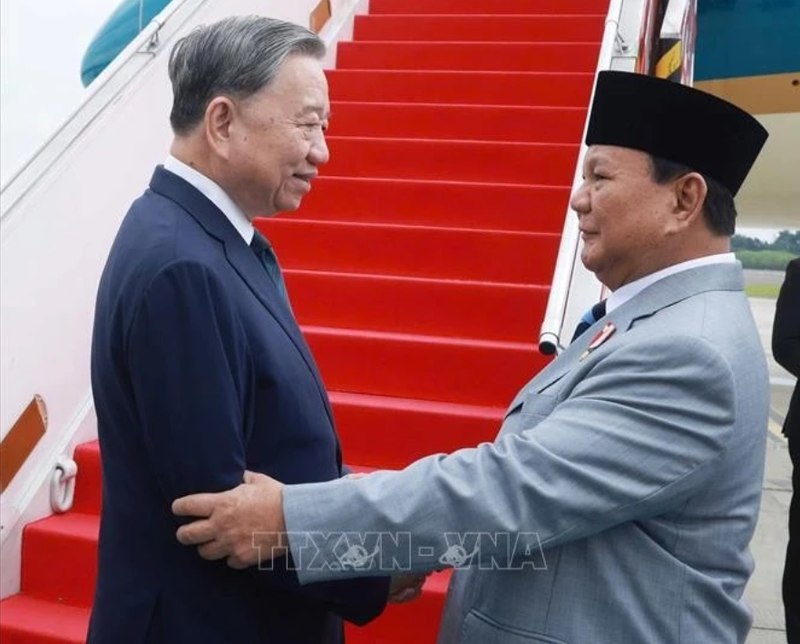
199	371
786	341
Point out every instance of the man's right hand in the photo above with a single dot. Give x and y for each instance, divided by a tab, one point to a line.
244	525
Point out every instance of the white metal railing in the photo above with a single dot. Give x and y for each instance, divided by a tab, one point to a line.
113	80
567	276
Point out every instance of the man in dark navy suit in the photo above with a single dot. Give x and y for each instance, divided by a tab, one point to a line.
786	349
199	369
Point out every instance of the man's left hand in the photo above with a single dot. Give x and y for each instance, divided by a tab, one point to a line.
406	587
244	524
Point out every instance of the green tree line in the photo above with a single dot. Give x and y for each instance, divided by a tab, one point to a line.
755	253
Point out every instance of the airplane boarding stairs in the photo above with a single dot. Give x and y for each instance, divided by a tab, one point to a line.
419	266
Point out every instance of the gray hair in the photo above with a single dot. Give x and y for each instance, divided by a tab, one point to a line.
234	57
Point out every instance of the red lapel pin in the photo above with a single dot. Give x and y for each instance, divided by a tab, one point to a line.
604	334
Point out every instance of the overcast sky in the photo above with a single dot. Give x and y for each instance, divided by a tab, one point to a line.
41	47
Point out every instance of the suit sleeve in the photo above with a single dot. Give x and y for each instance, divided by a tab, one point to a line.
190	370
605	456
786	329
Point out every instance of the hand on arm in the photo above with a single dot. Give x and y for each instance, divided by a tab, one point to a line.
607	455
244	525
546	480
406	588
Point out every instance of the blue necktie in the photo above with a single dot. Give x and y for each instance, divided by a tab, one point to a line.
589	318
263	250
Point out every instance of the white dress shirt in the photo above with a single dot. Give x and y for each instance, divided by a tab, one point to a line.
628	291
215	194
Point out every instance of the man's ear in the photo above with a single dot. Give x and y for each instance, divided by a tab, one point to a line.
690	195
218	119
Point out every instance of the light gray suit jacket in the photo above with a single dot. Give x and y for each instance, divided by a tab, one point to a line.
637	468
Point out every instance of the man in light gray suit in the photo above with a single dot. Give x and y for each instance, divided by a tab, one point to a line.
617	502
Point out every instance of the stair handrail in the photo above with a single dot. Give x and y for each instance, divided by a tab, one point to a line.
567	268
99	93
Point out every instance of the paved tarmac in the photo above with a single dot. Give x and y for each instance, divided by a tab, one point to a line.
769	543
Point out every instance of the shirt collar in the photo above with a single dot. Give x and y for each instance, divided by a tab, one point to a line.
627	292
215	194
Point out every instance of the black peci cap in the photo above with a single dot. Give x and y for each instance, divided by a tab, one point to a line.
677	123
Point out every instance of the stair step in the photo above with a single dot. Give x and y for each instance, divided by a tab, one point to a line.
27	620
420	619
59	558
413	251
409	429
461	122
480	206
381	431
89	483
479	161
468	372
392	433
503	312
480	28
483	88
520	7
522	57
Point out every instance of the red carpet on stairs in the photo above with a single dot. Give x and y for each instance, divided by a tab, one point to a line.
419	266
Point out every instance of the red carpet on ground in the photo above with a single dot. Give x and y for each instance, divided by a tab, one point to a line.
418	267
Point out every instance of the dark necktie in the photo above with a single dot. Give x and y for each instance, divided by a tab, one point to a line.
589	318
263	250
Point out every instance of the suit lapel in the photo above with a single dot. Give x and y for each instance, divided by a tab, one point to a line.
664	293
241	258
246	264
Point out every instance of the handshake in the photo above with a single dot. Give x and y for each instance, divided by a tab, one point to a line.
406	588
